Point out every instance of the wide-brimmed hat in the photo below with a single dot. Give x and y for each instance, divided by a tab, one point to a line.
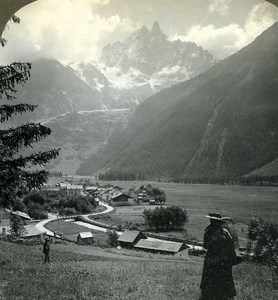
214	216
228	220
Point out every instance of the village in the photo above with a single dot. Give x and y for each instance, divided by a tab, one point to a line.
83	229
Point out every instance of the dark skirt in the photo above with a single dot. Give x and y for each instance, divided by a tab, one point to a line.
217	279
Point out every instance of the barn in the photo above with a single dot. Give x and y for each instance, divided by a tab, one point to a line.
159	246
85	238
119	198
130	237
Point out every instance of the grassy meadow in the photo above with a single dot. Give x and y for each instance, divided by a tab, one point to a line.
239	202
78	276
70	231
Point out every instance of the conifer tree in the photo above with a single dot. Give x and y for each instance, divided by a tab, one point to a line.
17	174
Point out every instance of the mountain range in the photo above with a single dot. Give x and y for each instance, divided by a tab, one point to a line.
146	62
84	104
222	123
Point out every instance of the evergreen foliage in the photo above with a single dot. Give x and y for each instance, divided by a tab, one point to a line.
17	176
120	175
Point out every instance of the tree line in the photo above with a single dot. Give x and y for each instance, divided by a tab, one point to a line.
38	204
120	175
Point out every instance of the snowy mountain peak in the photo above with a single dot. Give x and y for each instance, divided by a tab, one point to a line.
156	31
144	63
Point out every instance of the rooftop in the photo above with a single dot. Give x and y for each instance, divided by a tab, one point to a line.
159	245
129	236
85	235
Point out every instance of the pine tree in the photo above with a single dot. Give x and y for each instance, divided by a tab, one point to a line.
17	174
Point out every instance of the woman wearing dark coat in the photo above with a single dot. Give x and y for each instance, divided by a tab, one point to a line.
217	279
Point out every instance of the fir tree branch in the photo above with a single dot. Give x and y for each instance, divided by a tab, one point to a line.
39	158
12	75
13	139
6	111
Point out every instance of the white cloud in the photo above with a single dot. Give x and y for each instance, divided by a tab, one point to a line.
69	30
219	6
226	40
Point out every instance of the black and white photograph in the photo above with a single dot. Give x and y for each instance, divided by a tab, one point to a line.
138	149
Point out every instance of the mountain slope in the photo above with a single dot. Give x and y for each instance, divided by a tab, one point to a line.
56	90
222	123
81	134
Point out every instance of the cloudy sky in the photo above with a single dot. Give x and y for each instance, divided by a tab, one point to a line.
76	30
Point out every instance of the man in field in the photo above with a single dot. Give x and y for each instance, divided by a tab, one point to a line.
217	279
46	249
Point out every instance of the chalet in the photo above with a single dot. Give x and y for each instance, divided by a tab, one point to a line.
117	188
49	187
159	246
73	189
85	238
92	190
5	223
152	202
140	197
23	216
130	237
119	198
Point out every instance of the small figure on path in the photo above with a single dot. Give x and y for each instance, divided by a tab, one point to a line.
217	279
46	249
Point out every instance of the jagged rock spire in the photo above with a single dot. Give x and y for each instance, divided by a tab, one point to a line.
156	29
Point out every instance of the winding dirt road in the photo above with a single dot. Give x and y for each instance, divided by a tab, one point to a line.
41	225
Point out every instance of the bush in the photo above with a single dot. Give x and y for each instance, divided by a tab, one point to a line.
112	238
165	218
38	214
266	250
34	197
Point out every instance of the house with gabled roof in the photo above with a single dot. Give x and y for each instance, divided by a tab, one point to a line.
85	238
21	214
159	246
130	237
119	198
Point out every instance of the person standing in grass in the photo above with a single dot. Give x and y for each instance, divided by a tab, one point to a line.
46	250
217	279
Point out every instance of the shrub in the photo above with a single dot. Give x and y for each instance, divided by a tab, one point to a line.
165	218
266	250
112	238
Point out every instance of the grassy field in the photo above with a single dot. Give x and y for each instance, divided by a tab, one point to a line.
239	202
70	231
78	276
